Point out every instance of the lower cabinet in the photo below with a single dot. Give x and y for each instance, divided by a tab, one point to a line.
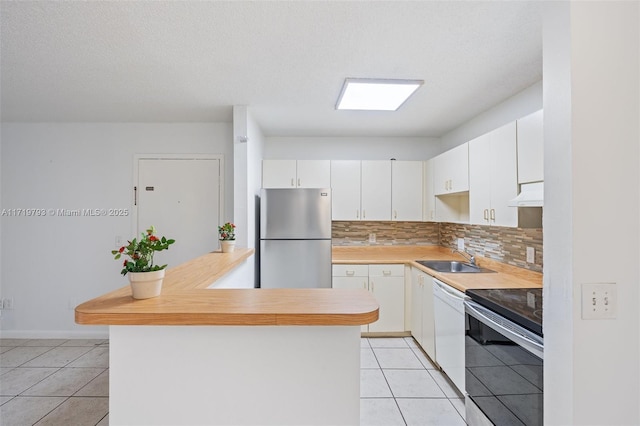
386	282
422	317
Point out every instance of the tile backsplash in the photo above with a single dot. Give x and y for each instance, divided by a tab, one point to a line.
507	245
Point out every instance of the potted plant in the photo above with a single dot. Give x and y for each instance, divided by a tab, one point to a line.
145	278
227	233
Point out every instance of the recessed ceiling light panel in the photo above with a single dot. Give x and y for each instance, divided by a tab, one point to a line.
376	94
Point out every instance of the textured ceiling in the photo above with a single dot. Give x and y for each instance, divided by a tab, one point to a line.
192	60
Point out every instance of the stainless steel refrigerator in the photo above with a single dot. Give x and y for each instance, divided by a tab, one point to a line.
295	238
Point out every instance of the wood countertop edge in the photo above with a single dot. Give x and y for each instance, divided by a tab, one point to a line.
505	276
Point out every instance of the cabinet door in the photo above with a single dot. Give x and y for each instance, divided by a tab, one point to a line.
451	170
406	190
458	164
389	292
416	305
278	173
429	209
428	336
375	196
504	176
352	283
531	148
313	174
480	180
345	190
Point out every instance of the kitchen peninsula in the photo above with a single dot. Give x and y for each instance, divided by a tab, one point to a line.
200	355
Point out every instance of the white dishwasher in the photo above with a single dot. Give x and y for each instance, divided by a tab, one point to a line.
448	308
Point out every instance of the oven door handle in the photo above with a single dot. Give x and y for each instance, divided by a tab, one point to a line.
512	331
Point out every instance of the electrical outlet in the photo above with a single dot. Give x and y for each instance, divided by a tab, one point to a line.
531	255
372	238
461	244
599	301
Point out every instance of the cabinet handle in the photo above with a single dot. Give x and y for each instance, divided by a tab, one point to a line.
357	214
364	285
386	272
493	215
292	182
364	213
395	214
373	286
433	213
351	273
298	181
486	214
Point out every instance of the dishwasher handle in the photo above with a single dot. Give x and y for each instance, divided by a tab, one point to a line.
456	295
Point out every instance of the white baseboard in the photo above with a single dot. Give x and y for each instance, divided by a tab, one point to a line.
53	334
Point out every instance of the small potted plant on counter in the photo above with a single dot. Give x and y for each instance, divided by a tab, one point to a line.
145	278
227	233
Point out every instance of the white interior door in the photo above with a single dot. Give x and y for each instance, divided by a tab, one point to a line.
181	198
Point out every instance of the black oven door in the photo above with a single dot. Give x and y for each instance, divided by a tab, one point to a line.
503	370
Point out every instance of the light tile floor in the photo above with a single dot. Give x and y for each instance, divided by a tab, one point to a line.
399	385
54	382
66	382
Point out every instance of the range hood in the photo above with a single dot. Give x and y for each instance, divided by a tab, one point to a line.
531	195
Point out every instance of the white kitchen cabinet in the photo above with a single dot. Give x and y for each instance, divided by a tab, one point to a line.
422	317
429	198
493	177
451	170
361	190
406	190
531	148
351	277
345	190
296	174
386	282
375	194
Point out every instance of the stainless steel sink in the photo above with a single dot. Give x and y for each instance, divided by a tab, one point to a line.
452	266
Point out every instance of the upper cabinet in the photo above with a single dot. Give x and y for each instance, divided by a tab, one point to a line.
361	190
376	190
451	171
345	190
296	174
406	190
531	148
493	177
429	202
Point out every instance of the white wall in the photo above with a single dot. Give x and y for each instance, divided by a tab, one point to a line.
517	106
55	260
248	148
350	148
592	210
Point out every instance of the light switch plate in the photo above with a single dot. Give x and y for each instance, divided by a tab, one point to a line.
599	301
461	244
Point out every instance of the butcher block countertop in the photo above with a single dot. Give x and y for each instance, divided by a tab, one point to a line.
186	300
505	276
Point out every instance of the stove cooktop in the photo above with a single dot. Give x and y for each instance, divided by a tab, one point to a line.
520	305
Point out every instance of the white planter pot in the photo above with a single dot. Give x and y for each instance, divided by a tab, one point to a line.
227	246
145	285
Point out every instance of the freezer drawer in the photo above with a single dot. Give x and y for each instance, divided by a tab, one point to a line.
295	263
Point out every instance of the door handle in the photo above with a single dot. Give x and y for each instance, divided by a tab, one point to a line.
386	272
351	273
493	215
486	214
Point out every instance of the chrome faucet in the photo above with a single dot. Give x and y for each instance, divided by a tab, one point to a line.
469	257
